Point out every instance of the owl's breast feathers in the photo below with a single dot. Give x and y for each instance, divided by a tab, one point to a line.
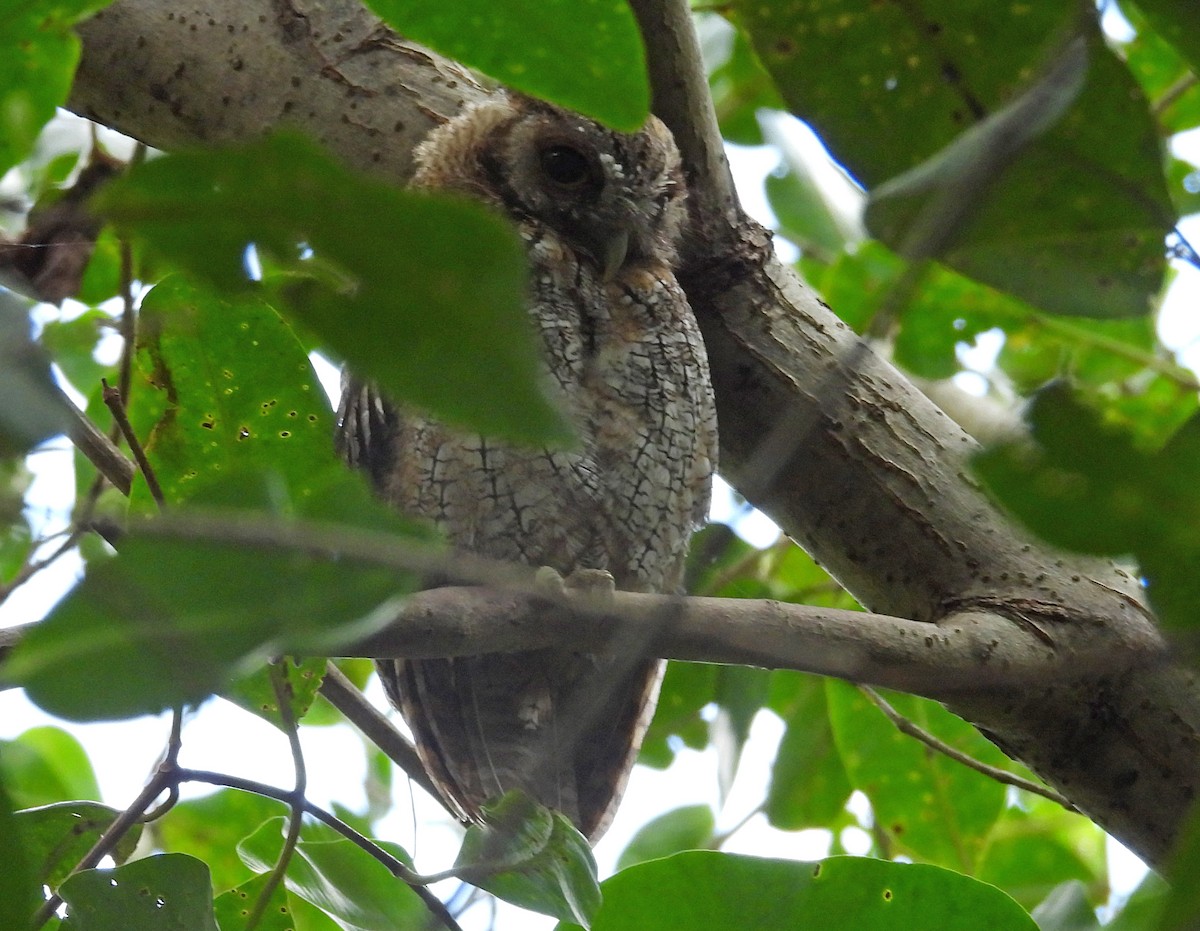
624	358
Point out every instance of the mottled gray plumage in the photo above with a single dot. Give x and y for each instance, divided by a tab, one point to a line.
600	213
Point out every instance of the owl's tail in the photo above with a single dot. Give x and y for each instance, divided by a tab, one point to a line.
563	727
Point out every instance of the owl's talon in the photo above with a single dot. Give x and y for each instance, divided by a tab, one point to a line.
549	583
593	586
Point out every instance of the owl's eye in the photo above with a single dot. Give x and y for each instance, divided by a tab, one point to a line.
566	165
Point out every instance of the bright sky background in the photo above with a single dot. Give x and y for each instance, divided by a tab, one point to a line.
222	737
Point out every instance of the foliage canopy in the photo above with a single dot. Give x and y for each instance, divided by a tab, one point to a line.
1018	184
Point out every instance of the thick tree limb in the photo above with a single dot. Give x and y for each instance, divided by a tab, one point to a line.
874	481
497	607
853	462
968	653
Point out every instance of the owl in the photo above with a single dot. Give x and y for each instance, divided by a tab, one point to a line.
600	213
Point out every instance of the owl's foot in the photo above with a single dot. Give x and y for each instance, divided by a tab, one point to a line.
549	583
592	587
595	587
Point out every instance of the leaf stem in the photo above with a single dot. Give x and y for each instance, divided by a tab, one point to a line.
112	399
905	726
395	866
281	685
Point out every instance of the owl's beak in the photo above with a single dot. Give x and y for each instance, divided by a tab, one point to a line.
606	245
614	248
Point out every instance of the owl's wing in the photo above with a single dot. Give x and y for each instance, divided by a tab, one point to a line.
366	426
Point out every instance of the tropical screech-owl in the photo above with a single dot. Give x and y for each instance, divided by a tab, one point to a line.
600	213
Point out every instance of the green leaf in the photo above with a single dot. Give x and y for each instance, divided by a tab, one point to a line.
533	857
225	385
1030	866
1184	180
168	892
927	806
285	912
809	787
44	765
1074	224
1180	909
797	578
321	713
102	277
430	304
33	410
16	545
56	837
1086	486
685	828
725	892
211	827
38	54
338	877
1144	908
1164	75
1115	362
686	689
19	889
16	537
715	552
975	158
1175	21
740	693
740	87
72	345
257	695
1066	908
585	55
805	216
174	618
234	907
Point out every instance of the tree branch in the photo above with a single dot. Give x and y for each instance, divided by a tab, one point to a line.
865	473
984	646
347	699
99	450
966	652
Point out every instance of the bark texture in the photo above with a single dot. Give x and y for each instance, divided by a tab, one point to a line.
850	459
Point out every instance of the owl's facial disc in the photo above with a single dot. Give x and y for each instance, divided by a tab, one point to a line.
578	176
615	198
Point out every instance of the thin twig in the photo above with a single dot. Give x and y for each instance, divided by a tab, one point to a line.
281	685
717	841
741	567
395	866
169	775
167	804
33	566
347	699
128	321
99	450
112	399
905	726
161	781
170	759
1168	97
